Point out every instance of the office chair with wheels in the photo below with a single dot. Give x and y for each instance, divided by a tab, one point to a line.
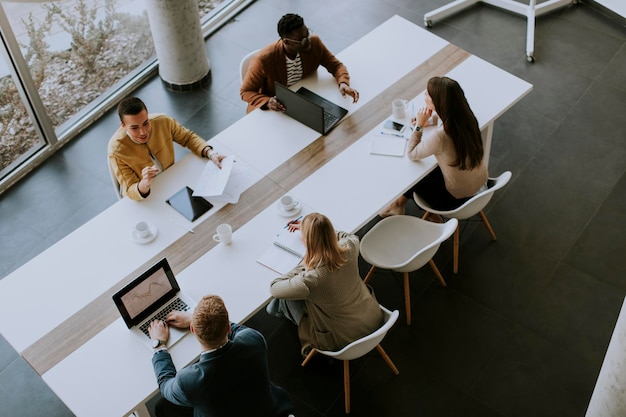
405	244
359	348
471	207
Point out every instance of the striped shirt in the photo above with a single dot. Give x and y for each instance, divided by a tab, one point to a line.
294	70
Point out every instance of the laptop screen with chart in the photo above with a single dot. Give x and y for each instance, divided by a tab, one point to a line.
151	296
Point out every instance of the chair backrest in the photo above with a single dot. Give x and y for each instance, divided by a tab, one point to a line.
116	184
426	254
404	243
245	63
472	206
365	344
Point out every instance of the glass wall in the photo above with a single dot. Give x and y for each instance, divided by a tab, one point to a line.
66	61
18	138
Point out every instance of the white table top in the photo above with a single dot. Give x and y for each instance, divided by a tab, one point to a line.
255	137
94	258
226	269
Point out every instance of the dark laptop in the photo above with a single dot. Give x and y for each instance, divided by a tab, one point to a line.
310	109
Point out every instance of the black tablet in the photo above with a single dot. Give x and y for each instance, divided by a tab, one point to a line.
189	206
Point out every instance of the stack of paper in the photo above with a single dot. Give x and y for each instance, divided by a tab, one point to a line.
224	184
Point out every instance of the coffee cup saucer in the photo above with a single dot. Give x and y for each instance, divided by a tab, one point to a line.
288	213
147	239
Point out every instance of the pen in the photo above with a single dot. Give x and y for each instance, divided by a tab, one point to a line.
291	222
392	134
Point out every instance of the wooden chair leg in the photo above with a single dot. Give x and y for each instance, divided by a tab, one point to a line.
309	356
425	216
407	298
434	267
346	384
487	225
456	250
387	359
369	274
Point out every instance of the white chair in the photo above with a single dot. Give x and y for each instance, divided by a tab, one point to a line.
116	184
359	348
405	244
473	206
245	63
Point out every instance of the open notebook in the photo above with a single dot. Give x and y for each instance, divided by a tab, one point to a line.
285	252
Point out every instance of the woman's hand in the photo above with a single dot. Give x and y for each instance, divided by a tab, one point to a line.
293	226
422	117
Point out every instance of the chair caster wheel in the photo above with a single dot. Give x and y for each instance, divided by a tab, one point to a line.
428	23
530	58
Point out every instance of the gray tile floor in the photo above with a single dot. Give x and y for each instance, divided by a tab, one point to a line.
522	329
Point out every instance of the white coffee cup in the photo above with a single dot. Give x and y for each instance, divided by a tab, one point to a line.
287	202
399	109
142	229
224	234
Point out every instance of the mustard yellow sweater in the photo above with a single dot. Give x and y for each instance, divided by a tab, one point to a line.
127	159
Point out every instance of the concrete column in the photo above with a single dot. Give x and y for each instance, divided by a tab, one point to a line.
179	45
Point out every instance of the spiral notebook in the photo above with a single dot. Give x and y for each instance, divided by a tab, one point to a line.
285	252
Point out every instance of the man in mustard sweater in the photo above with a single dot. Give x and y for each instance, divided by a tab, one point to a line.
294	56
143	146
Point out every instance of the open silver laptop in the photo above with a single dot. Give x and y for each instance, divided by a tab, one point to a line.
151	296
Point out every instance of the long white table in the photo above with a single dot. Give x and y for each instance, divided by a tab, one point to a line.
329	174
92	259
371	73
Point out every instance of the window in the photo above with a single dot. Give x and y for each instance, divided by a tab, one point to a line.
65	63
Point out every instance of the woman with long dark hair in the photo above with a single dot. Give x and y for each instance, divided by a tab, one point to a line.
456	144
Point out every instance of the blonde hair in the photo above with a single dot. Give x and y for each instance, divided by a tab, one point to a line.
210	320
320	240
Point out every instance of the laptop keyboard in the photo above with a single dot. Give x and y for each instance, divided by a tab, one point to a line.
177	304
329	119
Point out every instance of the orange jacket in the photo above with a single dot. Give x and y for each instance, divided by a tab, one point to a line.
269	65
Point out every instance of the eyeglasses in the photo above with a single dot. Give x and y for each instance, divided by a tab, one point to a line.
301	42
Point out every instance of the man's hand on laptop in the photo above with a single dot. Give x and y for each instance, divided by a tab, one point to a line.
179	319
159	330
345	89
274	104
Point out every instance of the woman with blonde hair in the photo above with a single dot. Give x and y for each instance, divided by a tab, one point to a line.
456	144
324	295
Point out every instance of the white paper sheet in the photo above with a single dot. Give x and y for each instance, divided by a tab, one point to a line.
387	145
213	180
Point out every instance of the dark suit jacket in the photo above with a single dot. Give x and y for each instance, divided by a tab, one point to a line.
214	385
